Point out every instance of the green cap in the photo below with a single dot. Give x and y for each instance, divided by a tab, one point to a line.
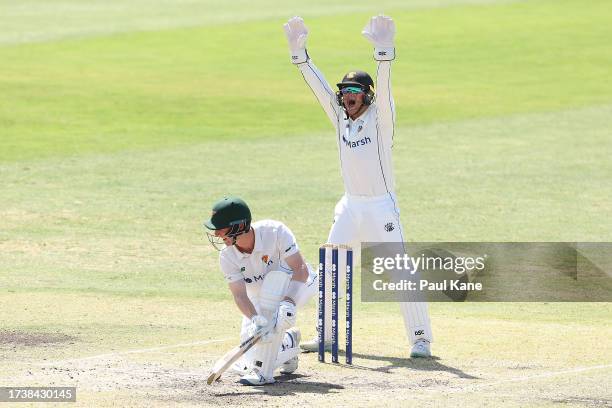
228	212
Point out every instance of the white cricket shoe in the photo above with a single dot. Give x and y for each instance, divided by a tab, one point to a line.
420	349
254	378
289	366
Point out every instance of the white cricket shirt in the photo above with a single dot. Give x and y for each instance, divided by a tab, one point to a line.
274	242
364	145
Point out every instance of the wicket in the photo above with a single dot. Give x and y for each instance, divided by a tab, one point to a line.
334	301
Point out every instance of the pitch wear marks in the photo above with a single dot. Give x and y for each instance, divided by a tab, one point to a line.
274	242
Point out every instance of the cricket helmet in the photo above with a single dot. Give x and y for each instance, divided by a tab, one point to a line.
359	79
232	213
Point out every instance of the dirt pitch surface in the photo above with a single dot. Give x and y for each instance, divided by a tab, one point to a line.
176	375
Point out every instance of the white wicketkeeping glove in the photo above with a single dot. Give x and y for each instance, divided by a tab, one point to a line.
380	31
286	315
257	323
296	33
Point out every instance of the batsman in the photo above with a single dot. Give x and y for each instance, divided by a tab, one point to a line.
363	117
268	279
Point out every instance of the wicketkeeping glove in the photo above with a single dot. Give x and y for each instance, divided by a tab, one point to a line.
380	31
296	33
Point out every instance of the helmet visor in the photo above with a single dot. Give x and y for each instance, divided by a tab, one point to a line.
351	90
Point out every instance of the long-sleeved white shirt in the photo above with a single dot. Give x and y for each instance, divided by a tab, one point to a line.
364	145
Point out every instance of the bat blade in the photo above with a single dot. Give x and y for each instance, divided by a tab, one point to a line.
232	356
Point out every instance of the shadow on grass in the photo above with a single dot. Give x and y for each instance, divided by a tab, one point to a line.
420	364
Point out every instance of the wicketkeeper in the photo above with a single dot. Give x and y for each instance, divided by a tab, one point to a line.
248	252
363	117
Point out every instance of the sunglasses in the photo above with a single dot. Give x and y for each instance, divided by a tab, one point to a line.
351	89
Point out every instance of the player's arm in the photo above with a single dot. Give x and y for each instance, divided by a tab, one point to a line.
380	31
287	308
298	266
300	275
238	289
296	33
291	256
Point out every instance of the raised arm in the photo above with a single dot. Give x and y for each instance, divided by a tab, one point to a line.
296	33
380	31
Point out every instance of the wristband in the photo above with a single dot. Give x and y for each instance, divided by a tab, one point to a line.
299	56
384	53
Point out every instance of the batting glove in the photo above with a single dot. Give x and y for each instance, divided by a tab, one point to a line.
258	323
296	33
380	31
286	315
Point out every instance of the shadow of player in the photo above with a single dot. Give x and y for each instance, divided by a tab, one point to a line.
421	364
290	384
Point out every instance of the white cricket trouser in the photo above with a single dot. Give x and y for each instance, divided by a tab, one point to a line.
373	219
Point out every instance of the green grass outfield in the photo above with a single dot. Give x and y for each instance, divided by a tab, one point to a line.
121	123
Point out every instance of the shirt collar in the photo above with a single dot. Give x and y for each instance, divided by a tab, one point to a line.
363	119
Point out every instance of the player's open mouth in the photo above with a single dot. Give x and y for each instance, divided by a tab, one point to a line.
352	102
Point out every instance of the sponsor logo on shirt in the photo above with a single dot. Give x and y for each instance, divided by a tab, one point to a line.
266	259
361	142
290	247
255	279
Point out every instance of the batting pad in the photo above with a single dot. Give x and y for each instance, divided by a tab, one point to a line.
272	292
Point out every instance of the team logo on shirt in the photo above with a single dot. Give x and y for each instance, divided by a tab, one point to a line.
389	227
266	259
361	142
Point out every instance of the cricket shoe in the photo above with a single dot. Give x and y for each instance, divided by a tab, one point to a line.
312	346
293	337
420	349
289	366
254	378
